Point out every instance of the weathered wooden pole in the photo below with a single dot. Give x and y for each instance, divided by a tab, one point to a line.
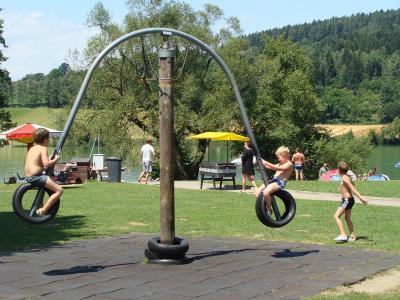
167	155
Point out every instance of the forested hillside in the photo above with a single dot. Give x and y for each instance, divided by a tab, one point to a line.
355	61
52	90
355	68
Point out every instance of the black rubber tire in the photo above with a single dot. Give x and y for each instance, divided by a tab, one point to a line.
24	214
163	251
286	217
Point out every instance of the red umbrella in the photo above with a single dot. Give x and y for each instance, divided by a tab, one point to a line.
24	133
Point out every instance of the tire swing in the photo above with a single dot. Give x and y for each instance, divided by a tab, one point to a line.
282	202
25	203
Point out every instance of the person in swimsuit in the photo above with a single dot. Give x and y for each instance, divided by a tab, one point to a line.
299	163
248	165
371	172
284	169
38	161
347	190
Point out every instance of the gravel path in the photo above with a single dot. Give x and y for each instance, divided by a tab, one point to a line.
195	185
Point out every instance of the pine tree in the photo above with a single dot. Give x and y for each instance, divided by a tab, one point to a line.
331	71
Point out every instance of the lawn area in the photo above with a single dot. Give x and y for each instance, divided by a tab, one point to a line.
40	115
367	188
106	209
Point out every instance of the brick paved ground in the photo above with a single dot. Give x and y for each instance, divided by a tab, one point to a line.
114	268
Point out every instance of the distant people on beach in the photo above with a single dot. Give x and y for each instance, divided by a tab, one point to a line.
363	176
147	155
323	170
248	165
299	163
371	172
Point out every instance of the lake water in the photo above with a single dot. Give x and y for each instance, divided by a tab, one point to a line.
12	159
384	158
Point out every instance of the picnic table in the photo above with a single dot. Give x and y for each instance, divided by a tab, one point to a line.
217	172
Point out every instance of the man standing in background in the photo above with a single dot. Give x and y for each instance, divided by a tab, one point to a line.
147	155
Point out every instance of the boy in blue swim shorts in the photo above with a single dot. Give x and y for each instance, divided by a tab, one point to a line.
347	190
284	169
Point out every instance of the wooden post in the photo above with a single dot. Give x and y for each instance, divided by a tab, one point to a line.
167	155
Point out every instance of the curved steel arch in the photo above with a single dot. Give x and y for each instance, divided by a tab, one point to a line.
165	31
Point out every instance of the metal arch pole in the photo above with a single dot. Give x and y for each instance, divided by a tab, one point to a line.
167	31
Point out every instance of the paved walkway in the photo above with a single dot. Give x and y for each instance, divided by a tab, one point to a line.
193	184
113	268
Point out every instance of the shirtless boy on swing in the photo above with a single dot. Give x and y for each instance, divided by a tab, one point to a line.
284	170
38	161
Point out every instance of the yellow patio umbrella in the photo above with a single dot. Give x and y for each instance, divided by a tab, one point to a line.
219	136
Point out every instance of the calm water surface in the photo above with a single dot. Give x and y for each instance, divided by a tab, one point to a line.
12	159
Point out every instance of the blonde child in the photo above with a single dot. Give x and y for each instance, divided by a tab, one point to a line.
284	169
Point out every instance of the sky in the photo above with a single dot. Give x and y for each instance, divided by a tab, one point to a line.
41	34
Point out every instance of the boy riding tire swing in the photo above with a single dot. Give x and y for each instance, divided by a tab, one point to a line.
268	209
264	209
28	216
38	166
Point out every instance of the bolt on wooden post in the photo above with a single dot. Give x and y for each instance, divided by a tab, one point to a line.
167	155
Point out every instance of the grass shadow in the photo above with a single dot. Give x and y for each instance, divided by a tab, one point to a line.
16	235
363	237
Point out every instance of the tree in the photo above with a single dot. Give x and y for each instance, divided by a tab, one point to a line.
5	80
123	94
391	133
287	108
54	89
353	70
5	85
121	103
354	151
5	120
123	97
5	123
358	53
331	71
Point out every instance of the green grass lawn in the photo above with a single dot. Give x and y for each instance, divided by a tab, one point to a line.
106	209
41	115
367	188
